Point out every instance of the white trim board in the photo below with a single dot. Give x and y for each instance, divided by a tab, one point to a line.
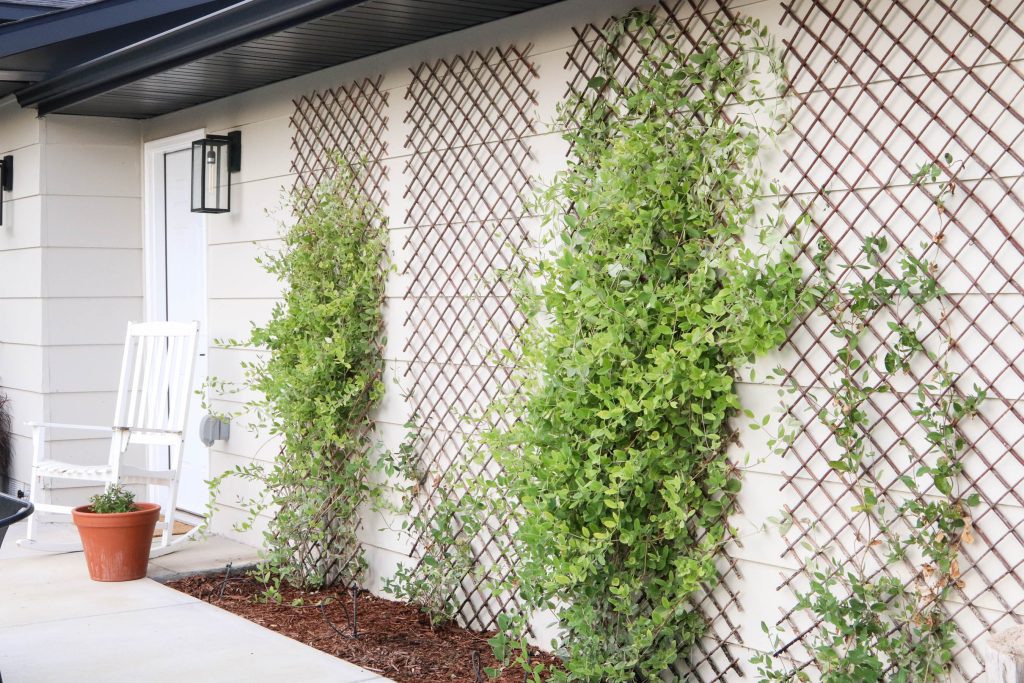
154	256
153	252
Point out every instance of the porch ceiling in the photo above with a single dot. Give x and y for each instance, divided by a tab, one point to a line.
228	49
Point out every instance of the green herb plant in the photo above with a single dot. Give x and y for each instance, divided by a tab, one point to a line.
318	377
658	282
114	499
879	615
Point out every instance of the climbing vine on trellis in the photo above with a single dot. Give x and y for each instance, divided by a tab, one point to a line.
854	149
879	614
660	281
318	381
470	117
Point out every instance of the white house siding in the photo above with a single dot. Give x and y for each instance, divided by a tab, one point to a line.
241	292
92	271
21	291
70	251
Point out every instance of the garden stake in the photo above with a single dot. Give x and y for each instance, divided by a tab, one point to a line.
475	658
355	610
354	590
224	583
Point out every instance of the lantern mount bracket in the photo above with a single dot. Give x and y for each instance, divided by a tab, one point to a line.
234	140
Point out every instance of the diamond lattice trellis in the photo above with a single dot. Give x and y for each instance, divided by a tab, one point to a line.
346	123
469	117
882	88
339	125
600	51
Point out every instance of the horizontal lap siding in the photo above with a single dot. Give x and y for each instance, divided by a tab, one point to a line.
91	204
21	302
70	254
240	291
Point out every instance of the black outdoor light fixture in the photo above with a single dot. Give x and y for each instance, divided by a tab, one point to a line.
6	181
214	159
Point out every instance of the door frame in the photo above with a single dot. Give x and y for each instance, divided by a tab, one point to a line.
154	256
154	253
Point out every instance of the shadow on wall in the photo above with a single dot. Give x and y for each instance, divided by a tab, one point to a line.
5	444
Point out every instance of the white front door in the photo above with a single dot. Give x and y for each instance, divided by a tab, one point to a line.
177	292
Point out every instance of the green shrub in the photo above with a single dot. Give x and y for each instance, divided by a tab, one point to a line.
648	302
318	379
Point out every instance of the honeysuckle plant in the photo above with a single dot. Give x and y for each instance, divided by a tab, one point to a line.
659	282
318	378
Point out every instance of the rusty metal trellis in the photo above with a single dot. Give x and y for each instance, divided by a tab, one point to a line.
345	125
469	117
882	88
599	51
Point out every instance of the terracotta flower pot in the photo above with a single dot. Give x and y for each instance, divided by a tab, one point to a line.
117	544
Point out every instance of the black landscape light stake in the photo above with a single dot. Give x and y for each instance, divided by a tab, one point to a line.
475	659
214	159
354	592
224	584
355	610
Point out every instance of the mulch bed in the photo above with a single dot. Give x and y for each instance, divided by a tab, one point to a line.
395	639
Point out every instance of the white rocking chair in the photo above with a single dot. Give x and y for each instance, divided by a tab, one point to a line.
151	410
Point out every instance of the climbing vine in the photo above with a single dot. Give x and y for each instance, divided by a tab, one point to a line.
658	283
873	619
445	536
318	379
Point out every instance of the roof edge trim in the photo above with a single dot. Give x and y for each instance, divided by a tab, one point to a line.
231	26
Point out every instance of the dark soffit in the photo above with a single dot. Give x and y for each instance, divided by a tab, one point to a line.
249	45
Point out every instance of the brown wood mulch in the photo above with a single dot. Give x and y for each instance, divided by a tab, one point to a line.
394	640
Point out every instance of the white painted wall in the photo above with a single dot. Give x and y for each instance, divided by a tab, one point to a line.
21	294
72	267
92	272
70	251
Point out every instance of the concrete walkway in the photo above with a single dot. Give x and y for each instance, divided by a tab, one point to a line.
57	625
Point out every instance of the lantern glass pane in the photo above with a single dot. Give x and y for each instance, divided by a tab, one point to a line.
221	181
211	179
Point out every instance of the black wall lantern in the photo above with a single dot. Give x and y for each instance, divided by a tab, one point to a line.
6	181
214	159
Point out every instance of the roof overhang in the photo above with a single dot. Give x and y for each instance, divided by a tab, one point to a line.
13	11
215	49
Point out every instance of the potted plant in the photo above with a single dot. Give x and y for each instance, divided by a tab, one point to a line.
117	534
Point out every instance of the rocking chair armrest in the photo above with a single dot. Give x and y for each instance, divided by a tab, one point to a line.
60	425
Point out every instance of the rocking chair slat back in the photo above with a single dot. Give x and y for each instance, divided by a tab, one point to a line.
156	376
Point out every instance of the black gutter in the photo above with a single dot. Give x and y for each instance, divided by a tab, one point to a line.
234	25
57	25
